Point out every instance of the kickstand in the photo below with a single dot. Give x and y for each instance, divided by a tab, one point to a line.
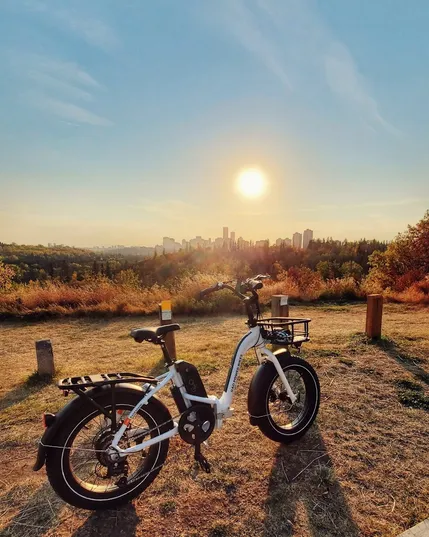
202	461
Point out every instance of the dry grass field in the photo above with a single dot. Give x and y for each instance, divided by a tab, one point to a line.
363	468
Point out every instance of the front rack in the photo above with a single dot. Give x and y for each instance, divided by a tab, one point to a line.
285	330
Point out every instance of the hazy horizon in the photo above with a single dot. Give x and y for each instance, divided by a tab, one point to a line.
123	122
159	241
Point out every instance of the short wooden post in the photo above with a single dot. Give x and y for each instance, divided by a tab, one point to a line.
279	306
374	315
166	317
45	358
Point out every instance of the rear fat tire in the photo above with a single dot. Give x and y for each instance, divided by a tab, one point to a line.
259	398
58	468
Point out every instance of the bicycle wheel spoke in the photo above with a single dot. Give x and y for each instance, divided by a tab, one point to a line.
88	454
283	412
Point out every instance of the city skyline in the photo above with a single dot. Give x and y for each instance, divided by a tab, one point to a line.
227	240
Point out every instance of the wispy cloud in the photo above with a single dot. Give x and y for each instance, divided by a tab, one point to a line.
56	86
59	86
52	84
93	31
62	69
293	42
79	23
244	23
71	112
344	79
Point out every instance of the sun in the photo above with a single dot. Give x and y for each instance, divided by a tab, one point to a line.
251	182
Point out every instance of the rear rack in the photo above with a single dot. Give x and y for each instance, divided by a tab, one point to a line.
91	381
285	330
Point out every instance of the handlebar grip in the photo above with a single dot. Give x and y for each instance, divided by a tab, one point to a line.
253	284
209	290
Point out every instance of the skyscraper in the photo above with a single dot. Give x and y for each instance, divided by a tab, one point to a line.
225	234
297	240
168	244
232	237
308	236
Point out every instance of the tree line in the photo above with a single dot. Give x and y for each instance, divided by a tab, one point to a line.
330	258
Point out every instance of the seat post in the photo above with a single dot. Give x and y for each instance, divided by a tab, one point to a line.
165	352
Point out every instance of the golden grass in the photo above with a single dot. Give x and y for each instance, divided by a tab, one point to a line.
103	298
362	470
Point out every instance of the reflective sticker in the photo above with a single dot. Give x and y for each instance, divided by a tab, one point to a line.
166	314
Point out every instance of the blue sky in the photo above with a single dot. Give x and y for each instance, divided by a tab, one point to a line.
123	121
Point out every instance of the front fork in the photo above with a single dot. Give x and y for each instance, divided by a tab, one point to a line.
264	353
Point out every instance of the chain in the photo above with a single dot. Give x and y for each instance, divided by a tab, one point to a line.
93	450
140	476
103	450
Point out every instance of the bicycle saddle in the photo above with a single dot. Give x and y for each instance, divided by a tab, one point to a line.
153	334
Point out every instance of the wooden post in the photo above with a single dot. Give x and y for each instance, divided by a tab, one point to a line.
374	315
166	317
279	306
45	358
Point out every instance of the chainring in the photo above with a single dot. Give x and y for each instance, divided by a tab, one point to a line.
196	424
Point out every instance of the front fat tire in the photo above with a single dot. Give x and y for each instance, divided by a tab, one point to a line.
58	469
261	407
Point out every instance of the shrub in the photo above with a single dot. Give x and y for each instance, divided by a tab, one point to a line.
345	288
351	269
6	275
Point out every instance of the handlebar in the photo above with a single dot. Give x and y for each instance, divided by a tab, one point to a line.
211	289
251	285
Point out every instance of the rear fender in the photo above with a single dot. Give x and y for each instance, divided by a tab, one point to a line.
255	388
74	406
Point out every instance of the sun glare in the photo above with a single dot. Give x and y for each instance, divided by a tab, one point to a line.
251	182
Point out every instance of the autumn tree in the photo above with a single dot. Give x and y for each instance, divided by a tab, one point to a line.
6	275
405	260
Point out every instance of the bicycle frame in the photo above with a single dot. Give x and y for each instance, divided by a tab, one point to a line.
222	405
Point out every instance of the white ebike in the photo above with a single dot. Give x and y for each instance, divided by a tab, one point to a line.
108	444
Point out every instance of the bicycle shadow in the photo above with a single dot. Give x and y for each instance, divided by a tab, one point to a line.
43	513
110	523
304	492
